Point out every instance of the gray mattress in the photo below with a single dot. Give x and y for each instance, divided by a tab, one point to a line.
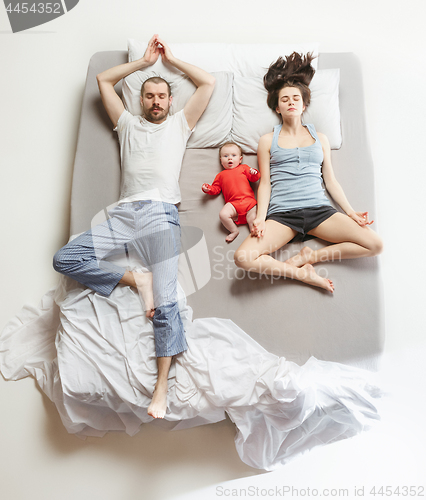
286	317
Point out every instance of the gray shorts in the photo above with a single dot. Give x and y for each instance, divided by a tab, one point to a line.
303	220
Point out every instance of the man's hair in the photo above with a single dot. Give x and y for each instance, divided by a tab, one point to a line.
156	79
230	144
294	70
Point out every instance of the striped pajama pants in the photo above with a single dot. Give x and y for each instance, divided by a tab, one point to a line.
149	231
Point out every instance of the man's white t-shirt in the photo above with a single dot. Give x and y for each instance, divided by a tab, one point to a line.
151	157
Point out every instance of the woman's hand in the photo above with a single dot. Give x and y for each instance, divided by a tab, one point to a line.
258	229
360	218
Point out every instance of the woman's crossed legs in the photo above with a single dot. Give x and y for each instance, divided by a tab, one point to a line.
349	238
253	256
350	242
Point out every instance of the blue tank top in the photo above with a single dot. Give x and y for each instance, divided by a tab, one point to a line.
296	179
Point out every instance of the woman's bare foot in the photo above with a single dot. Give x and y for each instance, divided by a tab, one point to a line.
232	236
302	258
144	285
158	406
312	278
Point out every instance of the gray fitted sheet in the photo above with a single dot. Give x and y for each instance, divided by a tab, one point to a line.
286	317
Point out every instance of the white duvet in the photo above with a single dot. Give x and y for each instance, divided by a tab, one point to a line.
94	358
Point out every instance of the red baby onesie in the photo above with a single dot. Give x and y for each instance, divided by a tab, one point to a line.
234	183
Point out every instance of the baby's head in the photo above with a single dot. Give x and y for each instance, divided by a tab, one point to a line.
230	155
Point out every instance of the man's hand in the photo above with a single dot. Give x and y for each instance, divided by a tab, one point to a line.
164	50
204	82
152	51
360	218
107	79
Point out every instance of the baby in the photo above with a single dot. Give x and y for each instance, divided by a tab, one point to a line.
240	203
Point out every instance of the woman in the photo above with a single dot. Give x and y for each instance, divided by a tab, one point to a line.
294	160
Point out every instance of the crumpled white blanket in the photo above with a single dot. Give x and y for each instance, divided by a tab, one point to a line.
94	358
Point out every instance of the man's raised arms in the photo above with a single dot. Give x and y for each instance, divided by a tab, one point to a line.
204	82
194	108
107	79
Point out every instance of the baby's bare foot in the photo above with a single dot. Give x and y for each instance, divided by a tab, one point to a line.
312	278
302	258
144	286
158	406
232	236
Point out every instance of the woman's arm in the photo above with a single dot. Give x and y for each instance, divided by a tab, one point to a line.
264	189
335	189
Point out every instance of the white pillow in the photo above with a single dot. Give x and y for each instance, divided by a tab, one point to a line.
241	59
214	126
253	118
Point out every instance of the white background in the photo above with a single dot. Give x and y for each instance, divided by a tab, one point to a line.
43	73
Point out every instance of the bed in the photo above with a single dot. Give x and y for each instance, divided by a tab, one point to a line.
248	335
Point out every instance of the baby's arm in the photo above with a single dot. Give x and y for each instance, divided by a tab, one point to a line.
214	189
252	174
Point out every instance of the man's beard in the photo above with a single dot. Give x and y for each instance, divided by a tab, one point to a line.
158	117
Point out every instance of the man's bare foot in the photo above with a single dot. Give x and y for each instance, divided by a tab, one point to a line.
158	406
302	258
149	313
144	286
232	236
312	278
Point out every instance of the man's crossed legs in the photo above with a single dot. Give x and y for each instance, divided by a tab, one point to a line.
149	230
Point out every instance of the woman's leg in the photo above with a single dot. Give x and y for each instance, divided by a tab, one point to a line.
253	256
351	241
227	216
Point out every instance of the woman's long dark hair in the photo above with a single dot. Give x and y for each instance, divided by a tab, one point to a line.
294	70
